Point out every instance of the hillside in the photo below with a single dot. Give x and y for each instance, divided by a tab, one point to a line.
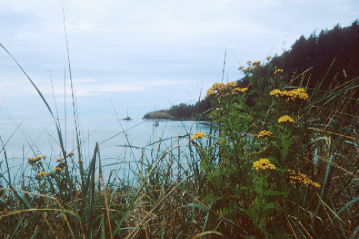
330	57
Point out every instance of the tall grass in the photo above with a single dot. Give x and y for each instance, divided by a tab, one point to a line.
207	187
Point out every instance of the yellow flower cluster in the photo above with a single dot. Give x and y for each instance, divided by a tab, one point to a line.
251	65
198	135
301	178
223	88
61	165
285	119
238	90
276	93
296	94
35	159
42	173
256	64
264	133
278	71
263	164
247	69
62	159
217	88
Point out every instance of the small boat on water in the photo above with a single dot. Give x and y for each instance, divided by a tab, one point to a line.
156	123
127	117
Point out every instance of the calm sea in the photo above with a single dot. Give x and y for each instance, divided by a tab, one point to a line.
121	142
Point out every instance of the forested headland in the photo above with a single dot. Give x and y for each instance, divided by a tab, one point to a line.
330	57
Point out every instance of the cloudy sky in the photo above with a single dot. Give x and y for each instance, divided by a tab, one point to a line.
144	55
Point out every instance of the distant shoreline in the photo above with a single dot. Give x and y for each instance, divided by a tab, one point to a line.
166	115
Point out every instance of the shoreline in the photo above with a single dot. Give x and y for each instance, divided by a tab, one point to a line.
166	115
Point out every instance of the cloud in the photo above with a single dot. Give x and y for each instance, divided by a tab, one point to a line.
83	88
160	49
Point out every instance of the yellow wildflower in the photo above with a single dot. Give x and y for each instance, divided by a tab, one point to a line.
263	164
71	154
217	88
231	84
277	71
256	63
296	94
42	173
247	69
221	89
61	165
238	90
276	92
264	133
59	160
285	119
210	92
241	68
198	135
303	96
58	169
35	159
301	178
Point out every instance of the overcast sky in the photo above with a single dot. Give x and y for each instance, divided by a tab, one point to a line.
145	55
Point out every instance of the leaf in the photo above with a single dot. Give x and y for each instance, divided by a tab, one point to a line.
327	170
351	142
347	205
15	212
316	157
199	235
103	227
329	163
23	199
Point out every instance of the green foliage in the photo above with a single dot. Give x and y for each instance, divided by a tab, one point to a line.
212	188
276	202
181	111
318	51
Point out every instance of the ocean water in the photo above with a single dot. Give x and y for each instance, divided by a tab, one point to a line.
121	143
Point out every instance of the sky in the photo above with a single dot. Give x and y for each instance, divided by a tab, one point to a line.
139	55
